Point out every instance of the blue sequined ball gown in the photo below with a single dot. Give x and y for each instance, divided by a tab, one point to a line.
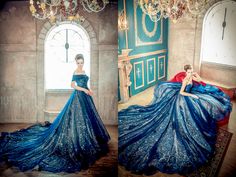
75	139
174	133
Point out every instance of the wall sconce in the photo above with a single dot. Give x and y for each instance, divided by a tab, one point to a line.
122	21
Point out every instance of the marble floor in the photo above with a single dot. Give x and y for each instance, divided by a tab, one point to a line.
104	167
228	168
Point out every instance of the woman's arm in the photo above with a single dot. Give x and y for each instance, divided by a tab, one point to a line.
91	92
74	86
182	92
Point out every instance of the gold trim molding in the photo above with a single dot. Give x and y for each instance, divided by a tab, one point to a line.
125	58
138	41
136	63
164	58
148	33
154	70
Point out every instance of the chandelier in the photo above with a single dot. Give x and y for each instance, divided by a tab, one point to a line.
61	10
172	9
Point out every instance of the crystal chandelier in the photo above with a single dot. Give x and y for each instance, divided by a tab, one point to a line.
172	9
61	10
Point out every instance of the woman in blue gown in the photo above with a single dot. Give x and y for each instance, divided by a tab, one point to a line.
176	132
75	139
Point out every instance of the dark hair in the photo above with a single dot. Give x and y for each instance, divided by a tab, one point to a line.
79	56
187	67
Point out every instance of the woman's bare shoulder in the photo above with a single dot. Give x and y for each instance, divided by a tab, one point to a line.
185	80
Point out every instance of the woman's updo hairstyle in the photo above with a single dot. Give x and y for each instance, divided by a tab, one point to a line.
79	57
187	67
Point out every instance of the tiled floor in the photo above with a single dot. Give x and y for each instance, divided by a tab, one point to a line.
228	168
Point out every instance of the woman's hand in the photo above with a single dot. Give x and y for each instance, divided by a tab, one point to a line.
195	96
86	91
197	77
90	92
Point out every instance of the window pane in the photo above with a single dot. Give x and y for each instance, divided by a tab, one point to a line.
219	42
62	44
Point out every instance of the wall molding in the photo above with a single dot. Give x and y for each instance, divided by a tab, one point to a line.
154	70
138	42
125	58
135	78
164	59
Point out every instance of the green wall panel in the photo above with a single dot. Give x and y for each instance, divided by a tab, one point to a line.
144	36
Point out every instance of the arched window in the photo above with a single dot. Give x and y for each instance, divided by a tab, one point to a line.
218	35
62	44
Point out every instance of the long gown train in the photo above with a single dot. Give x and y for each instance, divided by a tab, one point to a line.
174	133
74	141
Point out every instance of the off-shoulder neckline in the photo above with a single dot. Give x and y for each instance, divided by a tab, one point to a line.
83	73
79	74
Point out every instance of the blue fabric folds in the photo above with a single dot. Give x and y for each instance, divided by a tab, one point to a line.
74	141
174	133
